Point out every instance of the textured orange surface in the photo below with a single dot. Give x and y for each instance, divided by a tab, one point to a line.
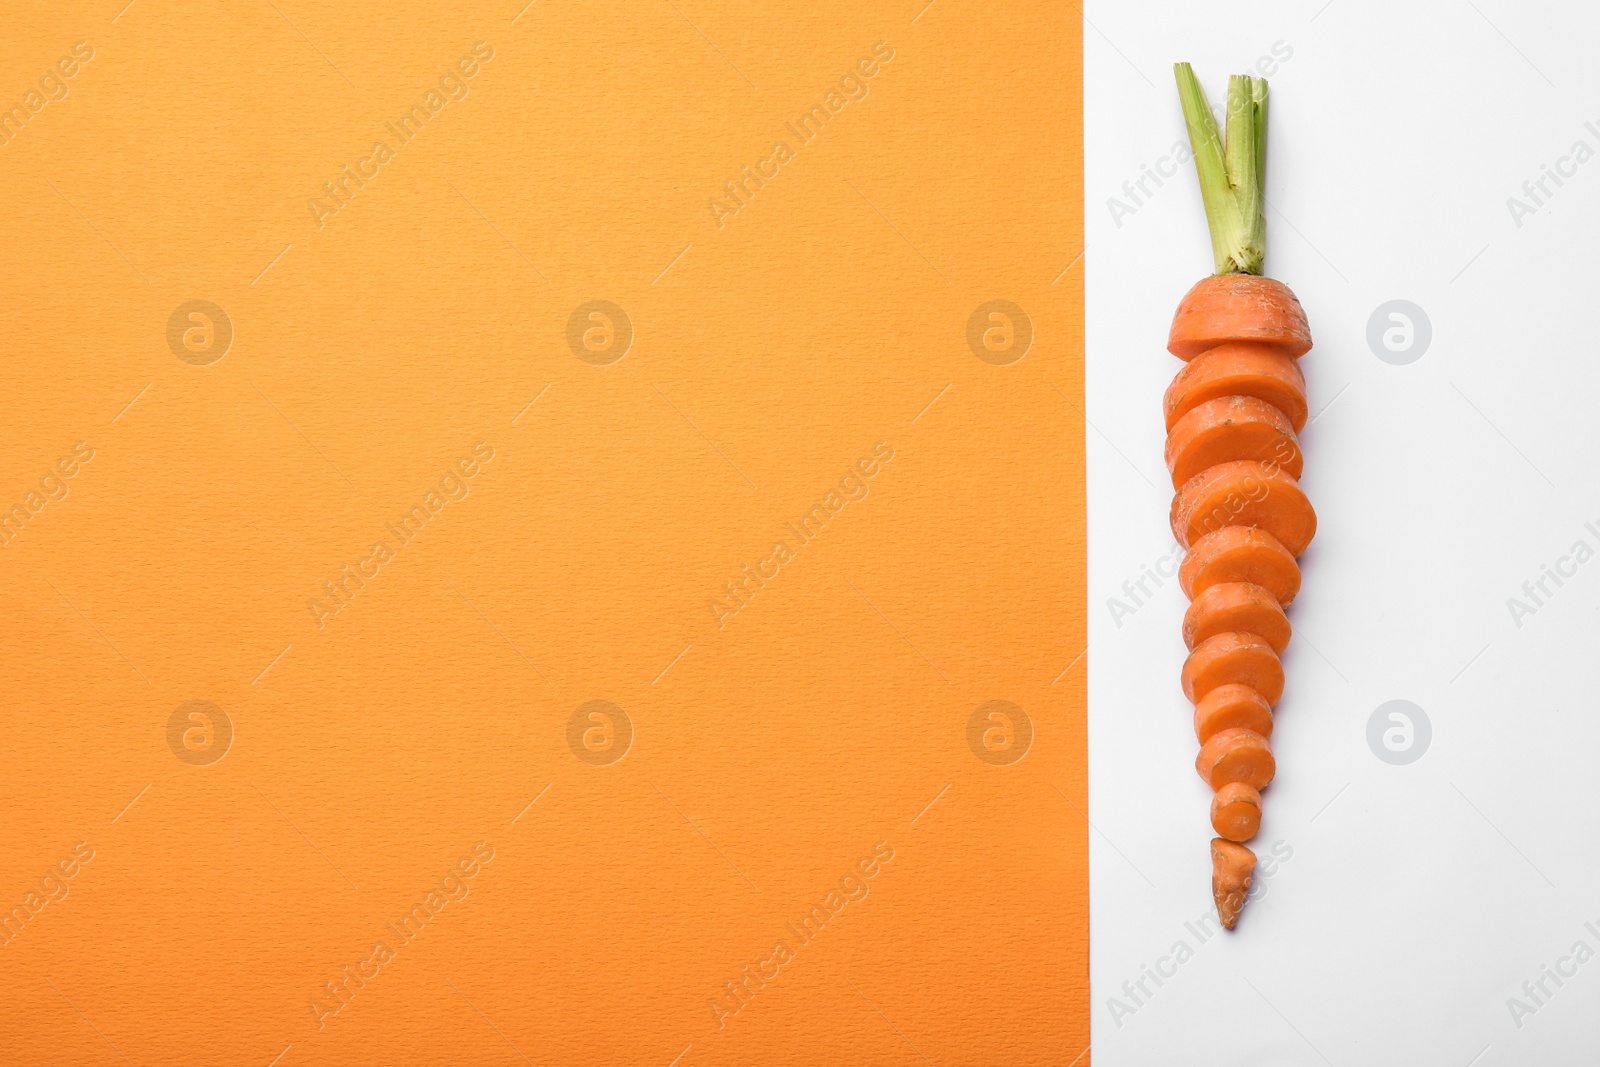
550	594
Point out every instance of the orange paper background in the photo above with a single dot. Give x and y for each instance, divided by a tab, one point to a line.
370	754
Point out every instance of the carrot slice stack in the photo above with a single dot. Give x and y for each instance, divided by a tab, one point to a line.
1233	413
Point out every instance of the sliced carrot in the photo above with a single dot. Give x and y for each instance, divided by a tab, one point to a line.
1236	607
1230	707
1236	812
1231	867
1233	659
1240	335
1240	554
1238	307
1230	428
1236	756
1244	493
1239	370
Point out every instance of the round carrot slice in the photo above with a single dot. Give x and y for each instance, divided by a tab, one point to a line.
1230	428
1236	812
1238	307
1244	493
1236	607
1229	707
1240	554
1239	370
1229	659
1236	756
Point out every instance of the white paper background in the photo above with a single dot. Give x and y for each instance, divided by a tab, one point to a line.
1423	896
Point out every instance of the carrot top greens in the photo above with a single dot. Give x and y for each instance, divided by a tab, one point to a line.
1232	174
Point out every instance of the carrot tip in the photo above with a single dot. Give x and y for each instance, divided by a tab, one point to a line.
1231	867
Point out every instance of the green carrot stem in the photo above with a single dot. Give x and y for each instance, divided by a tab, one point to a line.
1232	173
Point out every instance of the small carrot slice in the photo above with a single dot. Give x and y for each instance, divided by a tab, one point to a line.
1236	812
1231	867
1229	707
1233	659
1236	756
1240	554
1230	428
1238	307
1239	370
1244	493
1236	607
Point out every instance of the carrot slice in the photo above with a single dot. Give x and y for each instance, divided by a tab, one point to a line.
1239	370
1236	607
1230	428
1240	554
1236	756
1238	307
1233	659
1244	493
1230	707
1231	867
1236	812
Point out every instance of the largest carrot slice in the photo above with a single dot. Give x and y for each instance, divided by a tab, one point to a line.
1244	493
